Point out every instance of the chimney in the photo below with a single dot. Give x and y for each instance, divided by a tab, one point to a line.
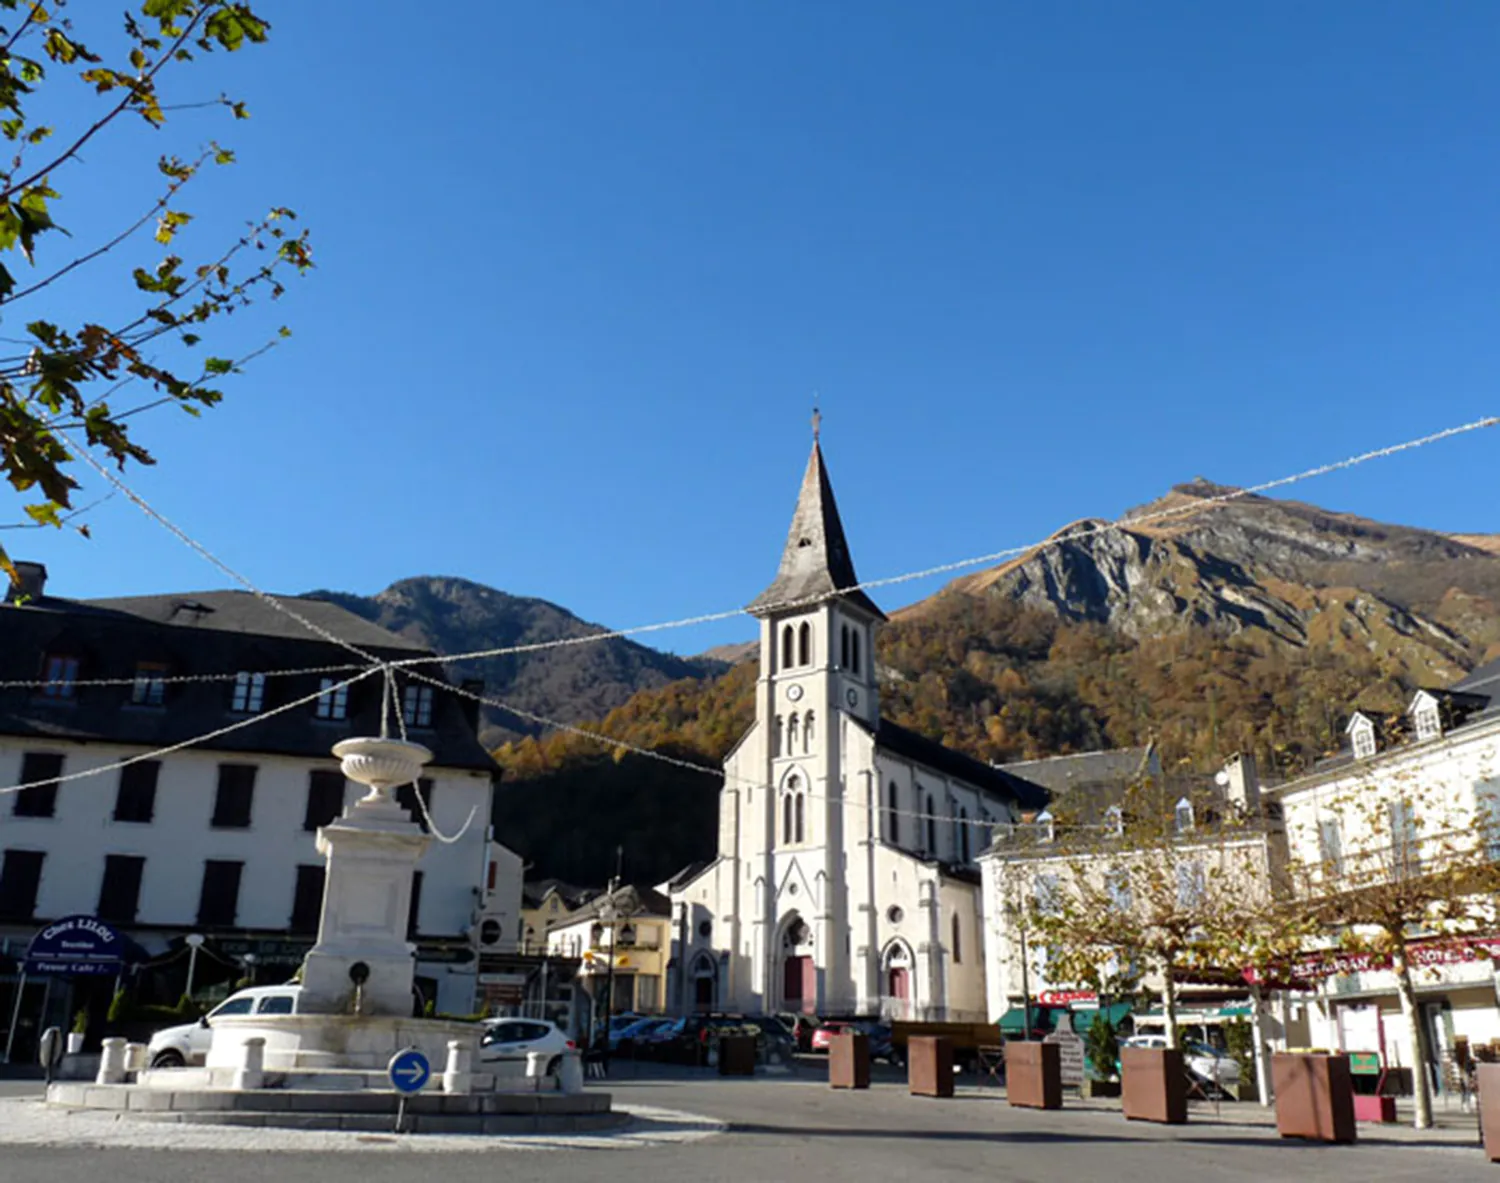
29	583
1241	783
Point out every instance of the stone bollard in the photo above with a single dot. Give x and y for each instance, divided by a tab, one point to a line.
456	1075
112	1062
570	1076
135	1057
251	1073
536	1069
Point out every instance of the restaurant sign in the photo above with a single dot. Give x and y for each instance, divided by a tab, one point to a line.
76	945
1427	954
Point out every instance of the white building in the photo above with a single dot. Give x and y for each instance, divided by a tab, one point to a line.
217	839
1404	796
845	879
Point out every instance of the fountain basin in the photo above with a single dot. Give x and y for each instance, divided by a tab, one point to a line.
311	1042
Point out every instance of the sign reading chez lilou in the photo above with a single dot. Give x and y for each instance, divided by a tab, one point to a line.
76	945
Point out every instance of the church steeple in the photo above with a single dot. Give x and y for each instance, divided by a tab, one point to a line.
815	565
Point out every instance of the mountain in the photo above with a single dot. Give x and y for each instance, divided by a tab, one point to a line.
1252	625
570	683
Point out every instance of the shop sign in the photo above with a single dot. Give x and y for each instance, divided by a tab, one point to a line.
266	950
76	945
1066	997
1424	954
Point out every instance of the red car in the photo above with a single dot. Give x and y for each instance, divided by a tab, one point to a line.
826	1032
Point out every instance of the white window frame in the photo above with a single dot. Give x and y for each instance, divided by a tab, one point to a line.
249	693
1362	739
333	702
1182	816
416	705
1428	719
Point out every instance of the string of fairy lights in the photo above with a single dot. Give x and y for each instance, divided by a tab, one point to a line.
373	665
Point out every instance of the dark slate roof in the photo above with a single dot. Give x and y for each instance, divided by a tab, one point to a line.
631	899
1483	681
1117	766
815	564
207	633
901	742
688	873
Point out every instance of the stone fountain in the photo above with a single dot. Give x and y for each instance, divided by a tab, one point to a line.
328	1061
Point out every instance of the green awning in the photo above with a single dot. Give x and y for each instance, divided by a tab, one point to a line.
1116	1013
1013	1021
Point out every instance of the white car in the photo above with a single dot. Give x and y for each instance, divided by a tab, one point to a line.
1205	1062
178	1047
507	1042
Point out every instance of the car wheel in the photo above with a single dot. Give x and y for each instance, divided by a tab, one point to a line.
168	1059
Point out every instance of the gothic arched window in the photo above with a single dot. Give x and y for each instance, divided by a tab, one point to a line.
786	648
892	806
807	733
786	819
776	736
804	644
798	799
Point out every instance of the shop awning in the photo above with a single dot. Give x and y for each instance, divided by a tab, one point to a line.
1013	1021
1115	1013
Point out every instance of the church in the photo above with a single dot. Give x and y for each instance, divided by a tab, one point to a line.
846	880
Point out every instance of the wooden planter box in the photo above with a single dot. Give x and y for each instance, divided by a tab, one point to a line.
1488	1076
1314	1097
929	1066
737	1055
849	1060
1033	1075
1153	1085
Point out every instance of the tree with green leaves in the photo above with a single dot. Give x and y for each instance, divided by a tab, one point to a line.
62	368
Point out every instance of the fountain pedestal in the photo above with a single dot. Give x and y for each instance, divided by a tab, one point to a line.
372	851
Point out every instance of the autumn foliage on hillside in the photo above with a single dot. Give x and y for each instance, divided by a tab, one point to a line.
981	674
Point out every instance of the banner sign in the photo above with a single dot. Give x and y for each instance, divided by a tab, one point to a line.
1313	967
1065	997
76	945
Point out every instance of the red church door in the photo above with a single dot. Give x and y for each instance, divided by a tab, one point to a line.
799	984
900	990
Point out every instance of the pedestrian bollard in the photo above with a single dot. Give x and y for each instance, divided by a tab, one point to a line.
251	1073
135	1057
570	1076
112	1062
456	1075
536	1069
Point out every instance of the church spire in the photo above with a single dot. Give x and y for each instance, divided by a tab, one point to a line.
815	564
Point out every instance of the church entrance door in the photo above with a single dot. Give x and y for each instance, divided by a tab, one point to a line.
899	990
799	984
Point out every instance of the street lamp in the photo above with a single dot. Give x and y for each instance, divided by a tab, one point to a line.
194	942
608	914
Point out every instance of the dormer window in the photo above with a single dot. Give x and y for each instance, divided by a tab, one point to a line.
150	685
60	672
333	703
1114	821
1362	737
1046	827
1183	816
1427	718
249	693
417	706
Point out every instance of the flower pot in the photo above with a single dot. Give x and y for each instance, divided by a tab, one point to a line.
929	1067
1033	1075
849	1060
75	1043
1153	1085
1314	1097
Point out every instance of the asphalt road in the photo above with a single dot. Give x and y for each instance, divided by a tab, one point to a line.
796	1130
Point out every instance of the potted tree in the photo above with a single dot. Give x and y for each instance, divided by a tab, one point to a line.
1102	1047
79	1031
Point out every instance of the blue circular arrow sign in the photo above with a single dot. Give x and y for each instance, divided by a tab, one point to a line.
409	1071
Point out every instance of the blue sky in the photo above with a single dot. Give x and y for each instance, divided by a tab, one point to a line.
582	267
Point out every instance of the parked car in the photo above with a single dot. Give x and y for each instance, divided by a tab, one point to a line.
187	1044
1204	1061
506	1043
881	1047
633	1034
802	1027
